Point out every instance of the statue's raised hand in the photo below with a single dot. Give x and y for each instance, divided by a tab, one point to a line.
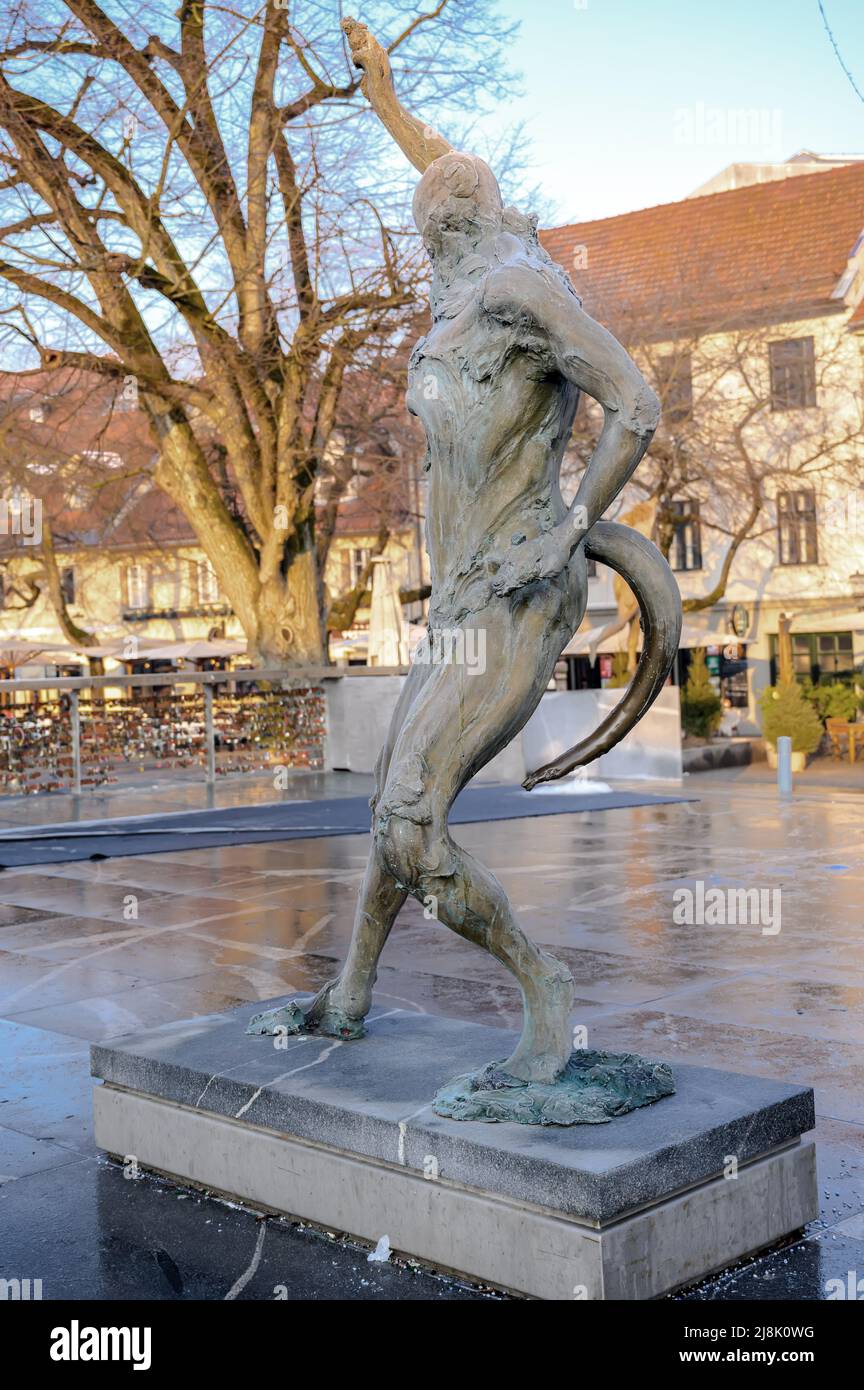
544	557
368	54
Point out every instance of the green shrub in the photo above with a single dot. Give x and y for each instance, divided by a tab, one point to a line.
834	700
787	713
701	706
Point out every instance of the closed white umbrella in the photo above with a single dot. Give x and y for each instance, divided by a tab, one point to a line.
388	629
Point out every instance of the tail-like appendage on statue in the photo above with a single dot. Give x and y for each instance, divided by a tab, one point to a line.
638	561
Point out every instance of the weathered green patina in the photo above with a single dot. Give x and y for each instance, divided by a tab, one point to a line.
593	1088
321	1016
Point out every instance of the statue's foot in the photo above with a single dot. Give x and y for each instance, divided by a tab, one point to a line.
323	1015
326	1015
593	1088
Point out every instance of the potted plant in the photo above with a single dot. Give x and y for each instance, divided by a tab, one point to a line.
786	712
701	706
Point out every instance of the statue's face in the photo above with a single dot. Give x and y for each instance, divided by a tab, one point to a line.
456	204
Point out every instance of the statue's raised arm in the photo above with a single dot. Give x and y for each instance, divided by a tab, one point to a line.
418	142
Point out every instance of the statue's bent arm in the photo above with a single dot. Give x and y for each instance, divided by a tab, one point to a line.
585	353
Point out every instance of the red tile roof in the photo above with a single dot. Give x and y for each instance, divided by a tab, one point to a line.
766	253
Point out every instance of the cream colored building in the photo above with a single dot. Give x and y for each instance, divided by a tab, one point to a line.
133	576
746	309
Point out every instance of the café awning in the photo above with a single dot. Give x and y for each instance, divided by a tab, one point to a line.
830	621
203	650
121	647
590	641
18	651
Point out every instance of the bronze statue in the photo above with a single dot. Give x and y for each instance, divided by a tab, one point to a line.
496	383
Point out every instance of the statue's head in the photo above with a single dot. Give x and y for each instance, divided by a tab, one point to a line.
456	200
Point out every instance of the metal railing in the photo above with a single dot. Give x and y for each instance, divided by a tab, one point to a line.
301	675
185	720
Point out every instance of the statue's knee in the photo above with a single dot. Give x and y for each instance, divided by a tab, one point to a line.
399	843
420	857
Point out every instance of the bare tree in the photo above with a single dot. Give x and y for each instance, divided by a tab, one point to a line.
377	463
76	474
190	212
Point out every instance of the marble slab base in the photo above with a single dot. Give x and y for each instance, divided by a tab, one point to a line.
342	1135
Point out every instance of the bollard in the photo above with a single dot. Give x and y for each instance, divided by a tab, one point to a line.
75	729
784	766
209	735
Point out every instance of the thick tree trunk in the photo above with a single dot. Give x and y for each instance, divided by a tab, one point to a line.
285	627
280	612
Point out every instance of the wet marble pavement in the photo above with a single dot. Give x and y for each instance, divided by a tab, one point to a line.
173	791
93	950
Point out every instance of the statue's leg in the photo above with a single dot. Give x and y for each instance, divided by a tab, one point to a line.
340	1007
460	720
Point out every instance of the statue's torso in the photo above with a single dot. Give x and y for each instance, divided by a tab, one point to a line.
497	417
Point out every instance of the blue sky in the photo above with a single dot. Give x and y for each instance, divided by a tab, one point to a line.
629	103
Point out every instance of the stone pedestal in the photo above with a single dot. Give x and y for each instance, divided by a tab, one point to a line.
342	1134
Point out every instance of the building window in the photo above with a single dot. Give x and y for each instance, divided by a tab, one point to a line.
818	654
687	537
802	657
356	561
675	387
793	374
208	584
137	586
796	528
67	585
834	655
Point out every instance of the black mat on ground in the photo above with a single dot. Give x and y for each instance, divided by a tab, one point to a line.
282	820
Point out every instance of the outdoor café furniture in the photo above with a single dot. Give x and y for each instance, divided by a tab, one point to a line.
853	733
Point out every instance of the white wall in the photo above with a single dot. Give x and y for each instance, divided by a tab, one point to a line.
359	711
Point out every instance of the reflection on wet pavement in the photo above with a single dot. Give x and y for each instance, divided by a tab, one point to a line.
94	950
